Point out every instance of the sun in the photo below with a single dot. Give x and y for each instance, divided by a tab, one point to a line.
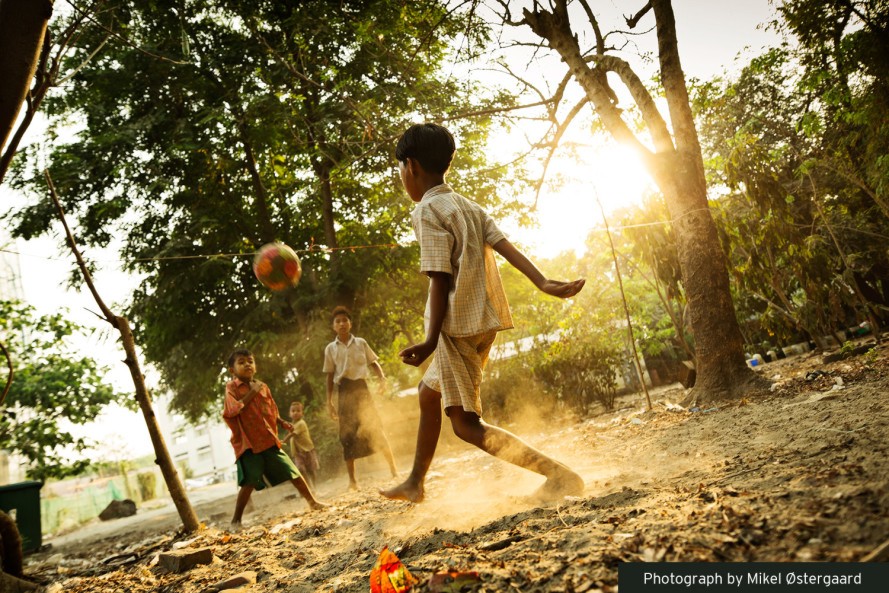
611	172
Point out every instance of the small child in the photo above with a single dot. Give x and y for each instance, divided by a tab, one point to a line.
465	309
346	362
252	416
302	449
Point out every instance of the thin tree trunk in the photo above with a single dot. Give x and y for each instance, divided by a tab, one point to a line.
171	477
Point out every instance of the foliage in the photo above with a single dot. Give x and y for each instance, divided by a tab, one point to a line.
793	140
219	126
560	356
54	385
582	367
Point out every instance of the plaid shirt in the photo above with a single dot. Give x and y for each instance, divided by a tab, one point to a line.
455	237
254	426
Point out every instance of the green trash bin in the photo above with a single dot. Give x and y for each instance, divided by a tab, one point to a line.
22	500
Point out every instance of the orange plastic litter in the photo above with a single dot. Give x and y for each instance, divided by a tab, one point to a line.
389	575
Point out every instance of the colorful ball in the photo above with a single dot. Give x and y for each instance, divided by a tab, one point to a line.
277	266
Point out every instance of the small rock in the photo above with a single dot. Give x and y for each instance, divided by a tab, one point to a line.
245	578
185	560
285	525
184	543
117	509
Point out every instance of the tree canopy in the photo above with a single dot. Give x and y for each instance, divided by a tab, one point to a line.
220	126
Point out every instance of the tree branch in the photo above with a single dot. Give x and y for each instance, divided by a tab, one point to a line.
600	40
554	144
632	21
673	80
495	110
122	38
109	316
656	124
557	31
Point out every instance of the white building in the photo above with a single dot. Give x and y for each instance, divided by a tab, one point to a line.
199	450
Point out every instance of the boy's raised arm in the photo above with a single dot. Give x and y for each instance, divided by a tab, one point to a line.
516	258
439	285
233	405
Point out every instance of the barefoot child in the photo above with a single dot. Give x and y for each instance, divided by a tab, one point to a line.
346	362
302	449
465	310
252	416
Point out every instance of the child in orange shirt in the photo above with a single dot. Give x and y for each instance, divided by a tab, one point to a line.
252	415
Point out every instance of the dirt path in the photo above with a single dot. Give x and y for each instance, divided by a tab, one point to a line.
800	474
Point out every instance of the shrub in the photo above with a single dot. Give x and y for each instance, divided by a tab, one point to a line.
147	485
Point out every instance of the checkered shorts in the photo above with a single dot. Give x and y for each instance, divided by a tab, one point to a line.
456	370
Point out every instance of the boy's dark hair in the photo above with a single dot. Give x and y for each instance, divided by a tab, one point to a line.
341	310
431	145
236	354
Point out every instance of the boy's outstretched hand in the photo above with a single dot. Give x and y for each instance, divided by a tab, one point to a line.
563	290
415	355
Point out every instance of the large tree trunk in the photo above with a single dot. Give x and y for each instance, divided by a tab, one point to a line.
344	293
677	167
22	27
719	346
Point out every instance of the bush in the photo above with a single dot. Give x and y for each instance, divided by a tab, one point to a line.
147	485
582	373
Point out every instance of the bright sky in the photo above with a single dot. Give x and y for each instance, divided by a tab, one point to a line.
711	34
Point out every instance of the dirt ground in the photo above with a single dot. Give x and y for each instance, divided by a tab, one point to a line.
801	473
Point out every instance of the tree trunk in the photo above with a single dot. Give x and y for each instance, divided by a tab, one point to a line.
719	346
22	27
266	228
189	519
344	293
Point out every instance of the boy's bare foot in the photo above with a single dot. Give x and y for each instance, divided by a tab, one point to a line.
317	505
235	527
405	491
353	486
558	486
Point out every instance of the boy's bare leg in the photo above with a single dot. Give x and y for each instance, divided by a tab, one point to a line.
412	489
303	488
560	480
350	467
243	498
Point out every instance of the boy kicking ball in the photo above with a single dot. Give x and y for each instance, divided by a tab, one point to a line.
465	310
